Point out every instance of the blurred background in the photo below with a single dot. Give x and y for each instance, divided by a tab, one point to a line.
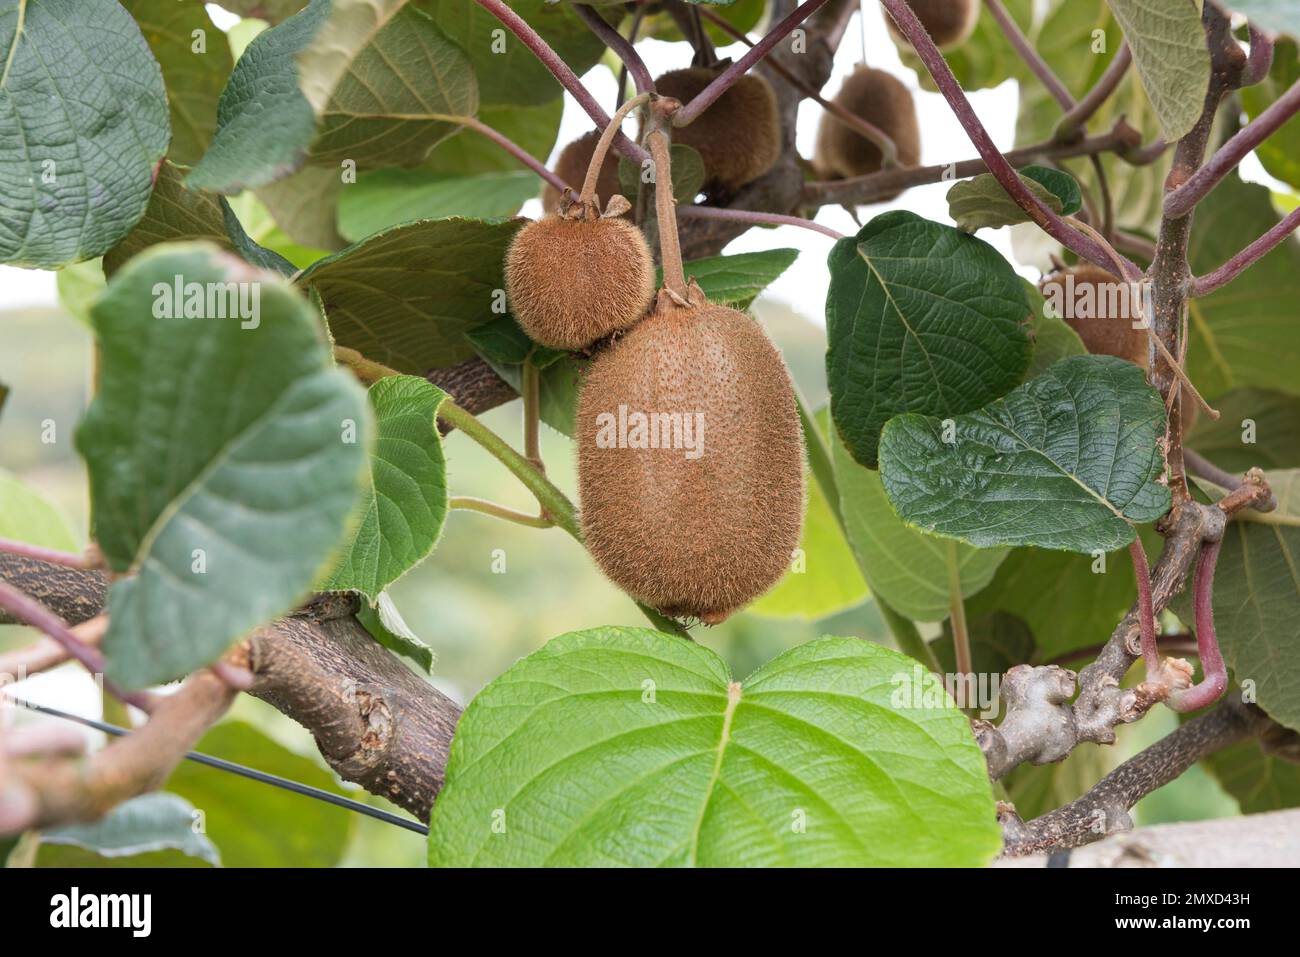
493	592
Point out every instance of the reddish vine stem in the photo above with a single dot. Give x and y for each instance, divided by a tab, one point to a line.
706	97
42	554
1180	201
622	48
1234	267
1260	60
560	70
1077	116
1146	610
514	149
1214	672
758	219
1050	222
1037	65
27	609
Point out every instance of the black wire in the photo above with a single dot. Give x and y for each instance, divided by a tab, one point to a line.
274	780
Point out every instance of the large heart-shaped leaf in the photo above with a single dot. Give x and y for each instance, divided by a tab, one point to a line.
195	60
736	280
626	746
907	568
405	297
1255	427
1260	782
224	455
1069	460
390	197
920	317
404	503
83	122
1171	56
1244	333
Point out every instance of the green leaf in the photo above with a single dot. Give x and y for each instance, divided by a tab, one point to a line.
626	746
383	80
1277	16
1255	427
390	197
1280	153
1244	333
404	502
26	516
744	15
998	642
304	206
221	471
503	341
903	566
153	830
264	123
1035	790
509	74
194	69
259	227
736	280
387	626
985	59
1260	782
80	285
688	175
981	201
534	128
83	120
1069	460
920	317
827	580
259	826
1053	338
174	213
1257	600
1171	56
406	296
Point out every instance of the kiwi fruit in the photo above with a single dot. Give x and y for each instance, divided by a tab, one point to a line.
738	136
882	100
572	168
1108	327
577	276
949	22
696	530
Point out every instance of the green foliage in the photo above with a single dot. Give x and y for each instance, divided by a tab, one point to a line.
84	123
223	457
688	175
1169	51
981	201
1067	461
1259	781
629	746
1277	16
736	280
390	197
404	502
1255	427
1280	153
26	516
153	830
985	59
920	317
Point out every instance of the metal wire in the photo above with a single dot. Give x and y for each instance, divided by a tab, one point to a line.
274	780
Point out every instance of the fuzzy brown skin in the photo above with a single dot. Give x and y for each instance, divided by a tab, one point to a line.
572	168
949	22
1104	334
573	281
738	136
695	538
880	99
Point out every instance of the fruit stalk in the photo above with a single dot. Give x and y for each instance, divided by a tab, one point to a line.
588	194
670	248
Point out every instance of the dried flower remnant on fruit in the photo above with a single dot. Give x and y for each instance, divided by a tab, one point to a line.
949	22
572	168
578	276
738	136
1102	308
696	531
883	101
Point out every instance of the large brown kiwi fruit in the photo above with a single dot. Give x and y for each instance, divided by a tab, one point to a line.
1107	329
694	537
882	100
576	277
572	168
949	22
738	136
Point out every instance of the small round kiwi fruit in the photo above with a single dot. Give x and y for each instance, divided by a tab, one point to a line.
883	101
703	523
1100	307
577	276
949	22
738	136
572	168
